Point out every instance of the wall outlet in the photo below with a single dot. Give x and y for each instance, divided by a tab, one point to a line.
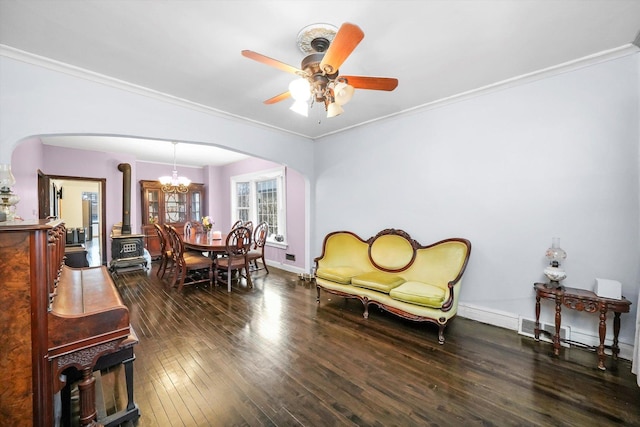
290	257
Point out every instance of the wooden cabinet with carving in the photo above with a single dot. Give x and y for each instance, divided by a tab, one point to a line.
168	208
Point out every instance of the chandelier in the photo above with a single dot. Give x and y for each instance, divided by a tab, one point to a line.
174	183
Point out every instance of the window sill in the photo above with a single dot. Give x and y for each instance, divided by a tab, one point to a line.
279	245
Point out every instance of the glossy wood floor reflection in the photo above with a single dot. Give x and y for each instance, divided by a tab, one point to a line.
270	356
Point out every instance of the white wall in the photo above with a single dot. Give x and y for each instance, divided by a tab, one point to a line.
508	170
35	100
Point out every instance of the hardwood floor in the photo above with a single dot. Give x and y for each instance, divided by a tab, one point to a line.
271	356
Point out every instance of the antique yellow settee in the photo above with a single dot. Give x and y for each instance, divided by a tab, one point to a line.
395	273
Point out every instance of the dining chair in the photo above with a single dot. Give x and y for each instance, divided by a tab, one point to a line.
237	245
193	227
259	240
166	255
238	223
249	225
190	267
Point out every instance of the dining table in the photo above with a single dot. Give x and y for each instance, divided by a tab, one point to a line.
204	243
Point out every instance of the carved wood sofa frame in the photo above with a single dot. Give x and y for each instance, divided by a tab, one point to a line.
396	273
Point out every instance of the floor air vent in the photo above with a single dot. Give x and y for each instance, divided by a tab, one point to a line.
527	327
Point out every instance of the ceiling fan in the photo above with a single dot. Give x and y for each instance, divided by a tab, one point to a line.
327	48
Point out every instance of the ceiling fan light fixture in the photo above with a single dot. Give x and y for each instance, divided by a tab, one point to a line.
300	107
300	89
308	34
326	48
334	109
343	92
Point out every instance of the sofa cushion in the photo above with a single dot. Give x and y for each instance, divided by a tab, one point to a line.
338	274
419	293
377	281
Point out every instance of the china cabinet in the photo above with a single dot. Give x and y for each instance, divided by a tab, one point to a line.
168	208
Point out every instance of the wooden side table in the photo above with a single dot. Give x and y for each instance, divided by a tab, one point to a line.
582	300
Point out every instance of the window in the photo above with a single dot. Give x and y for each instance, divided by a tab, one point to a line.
267	203
261	197
242	198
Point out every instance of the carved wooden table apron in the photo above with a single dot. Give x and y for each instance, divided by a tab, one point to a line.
582	300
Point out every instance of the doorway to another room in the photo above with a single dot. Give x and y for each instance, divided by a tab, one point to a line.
80	203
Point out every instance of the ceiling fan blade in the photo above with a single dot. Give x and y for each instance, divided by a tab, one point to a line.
278	98
272	62
373	83
345	41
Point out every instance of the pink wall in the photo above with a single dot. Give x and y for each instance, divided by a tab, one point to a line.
31	155
295	208
25	162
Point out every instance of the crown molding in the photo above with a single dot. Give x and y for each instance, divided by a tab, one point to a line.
61	67
587	61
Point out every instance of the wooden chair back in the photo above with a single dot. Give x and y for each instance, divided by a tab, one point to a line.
177	244
238	242
237	246
188	267
260	235
259	240
161	237
193	227
249	225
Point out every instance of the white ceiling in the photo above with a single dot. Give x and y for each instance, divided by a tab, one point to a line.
190	49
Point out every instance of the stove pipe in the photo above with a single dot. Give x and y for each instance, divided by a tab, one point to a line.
125	168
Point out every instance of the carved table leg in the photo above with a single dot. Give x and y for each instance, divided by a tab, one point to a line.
87	389
602	330
556	337
616	330
536	331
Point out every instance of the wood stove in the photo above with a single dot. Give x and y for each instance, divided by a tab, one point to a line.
127	249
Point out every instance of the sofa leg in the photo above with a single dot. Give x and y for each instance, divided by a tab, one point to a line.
318	297
441	334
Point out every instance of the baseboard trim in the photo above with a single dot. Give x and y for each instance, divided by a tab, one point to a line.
499	318
285	267
510	321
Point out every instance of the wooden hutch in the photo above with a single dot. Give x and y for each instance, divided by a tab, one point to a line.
173	208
